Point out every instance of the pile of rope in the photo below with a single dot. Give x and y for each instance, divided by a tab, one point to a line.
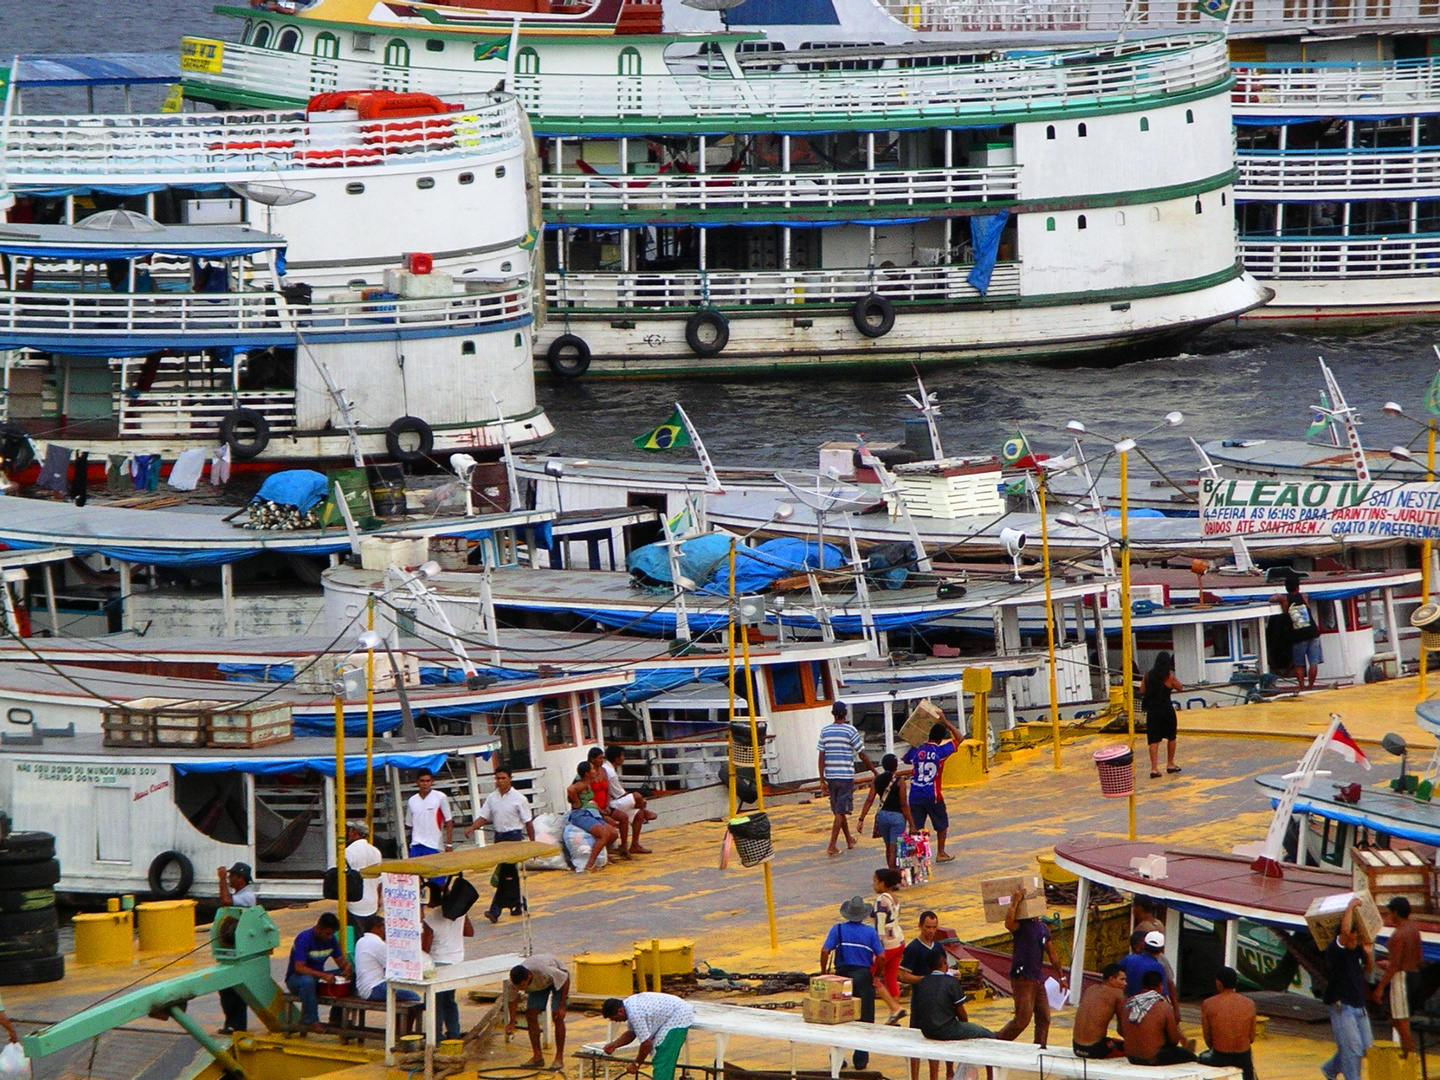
760	983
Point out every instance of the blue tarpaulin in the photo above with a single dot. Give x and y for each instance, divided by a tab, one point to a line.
699	558
325	766
293	487
985	230
756	569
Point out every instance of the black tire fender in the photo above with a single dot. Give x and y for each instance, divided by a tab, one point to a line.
409	425
31	946
156	876
568	356
237	420
12	900
873	315
28	922
27	847
24	972
707	319
33	875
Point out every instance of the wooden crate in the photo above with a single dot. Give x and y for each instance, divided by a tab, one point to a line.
1385	874
252	726
154	721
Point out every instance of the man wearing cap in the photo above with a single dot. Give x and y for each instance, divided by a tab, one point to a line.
839	743
856	947
360	853
236	890
1027	972
1146	947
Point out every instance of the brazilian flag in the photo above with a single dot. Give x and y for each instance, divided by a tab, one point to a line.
669	434
1432	396
1216	9
1016	448
493	49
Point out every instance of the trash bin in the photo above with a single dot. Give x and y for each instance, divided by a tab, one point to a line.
752	838
1117	771
742	747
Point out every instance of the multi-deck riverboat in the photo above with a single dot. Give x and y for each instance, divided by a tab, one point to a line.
721	201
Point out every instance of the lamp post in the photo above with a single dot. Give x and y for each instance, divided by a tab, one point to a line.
1127	642
1400	453
1049	616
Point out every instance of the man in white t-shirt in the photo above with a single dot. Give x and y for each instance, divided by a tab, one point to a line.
628	805
371	953
431	824
360	853
444	940
237	889
508	812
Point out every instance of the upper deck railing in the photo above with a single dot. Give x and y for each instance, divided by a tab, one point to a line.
1313	257
37	149
1406	86
1107	16
587	195
1339	174
181	318
560	103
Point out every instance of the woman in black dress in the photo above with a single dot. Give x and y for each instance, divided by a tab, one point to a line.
1160	725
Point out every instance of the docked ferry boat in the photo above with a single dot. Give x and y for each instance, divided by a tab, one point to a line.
718	202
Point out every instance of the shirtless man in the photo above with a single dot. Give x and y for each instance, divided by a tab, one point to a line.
1151	1032
1403	957
1228	1020
1098	1006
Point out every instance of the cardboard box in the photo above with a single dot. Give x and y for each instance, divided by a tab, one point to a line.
829	987
916	729
998	892
1323	918
841	1011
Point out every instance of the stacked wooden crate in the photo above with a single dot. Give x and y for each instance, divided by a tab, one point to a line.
173	722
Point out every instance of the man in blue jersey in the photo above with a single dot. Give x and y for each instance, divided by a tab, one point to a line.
839	743
927	799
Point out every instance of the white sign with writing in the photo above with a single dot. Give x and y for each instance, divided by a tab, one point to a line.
1334	508
404	958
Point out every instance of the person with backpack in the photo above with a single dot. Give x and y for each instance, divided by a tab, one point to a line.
856	949
1305	652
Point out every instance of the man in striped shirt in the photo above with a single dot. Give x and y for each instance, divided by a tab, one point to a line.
839	743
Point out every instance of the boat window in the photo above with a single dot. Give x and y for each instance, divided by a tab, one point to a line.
1357	615
1080	222
505	267
629	61
467	348
1189	116
556	722
245	34
434	45
466	178
1199	207
355	188
499	171
1080	131
1325	615
1144	123
1222	198
327	46
1119	217
1049	224
425	183
1049	131
799	686
589	716
1248	649
1217	641
397	53
262	36
519	340
527	62
289	40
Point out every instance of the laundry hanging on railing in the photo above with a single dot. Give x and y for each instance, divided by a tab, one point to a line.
985	230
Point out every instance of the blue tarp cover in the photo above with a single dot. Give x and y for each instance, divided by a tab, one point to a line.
985	230
705	560
293	487
323	765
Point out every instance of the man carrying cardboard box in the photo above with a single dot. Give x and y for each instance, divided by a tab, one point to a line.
1347	963
1027	972
927	797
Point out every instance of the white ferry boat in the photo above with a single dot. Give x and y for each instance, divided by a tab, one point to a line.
718	202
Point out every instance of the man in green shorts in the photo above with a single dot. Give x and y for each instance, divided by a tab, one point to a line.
660	1021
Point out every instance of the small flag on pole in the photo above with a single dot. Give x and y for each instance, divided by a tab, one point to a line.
1216	9
670	434
1321	420
1015	450
493	49
1346	747
1432	396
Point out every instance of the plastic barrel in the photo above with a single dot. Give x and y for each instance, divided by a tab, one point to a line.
1116	765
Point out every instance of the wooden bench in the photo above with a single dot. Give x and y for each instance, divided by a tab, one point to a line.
352	1016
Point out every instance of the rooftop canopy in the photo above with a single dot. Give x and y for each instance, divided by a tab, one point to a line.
124	234
110	69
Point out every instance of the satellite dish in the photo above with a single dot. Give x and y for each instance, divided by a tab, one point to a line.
271	194
1425	616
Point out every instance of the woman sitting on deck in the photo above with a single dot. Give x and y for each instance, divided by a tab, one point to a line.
585	816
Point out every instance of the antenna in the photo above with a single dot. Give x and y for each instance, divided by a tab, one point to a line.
712	481
1341	413
929	407
1244	564
889	485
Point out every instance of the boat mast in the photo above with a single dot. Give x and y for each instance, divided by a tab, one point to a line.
1341	413
1268	862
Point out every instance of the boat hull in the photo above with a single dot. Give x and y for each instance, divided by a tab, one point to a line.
1354	302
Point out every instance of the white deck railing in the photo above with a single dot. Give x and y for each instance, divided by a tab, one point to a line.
1271	89
1312	257
173	412
1108	74
769	191
770	288
185	315
35	148
1343	174
1106	16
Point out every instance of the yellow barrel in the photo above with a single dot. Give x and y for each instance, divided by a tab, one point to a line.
451	1047
1053	874
604	974
107	937
677	957
166	926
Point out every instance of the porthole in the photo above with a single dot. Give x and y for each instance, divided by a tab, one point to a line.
289	40
262	36
519	341
505	267
1049	131
1081	131
434	45
1144	123
1049	224
1222	198
499	171
466	178
425	183
1189	116
467	348
1199	209
1119	217
1080	222
356	283
355	188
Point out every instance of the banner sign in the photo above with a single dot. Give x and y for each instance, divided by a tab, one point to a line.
202	54
1365	510
400	895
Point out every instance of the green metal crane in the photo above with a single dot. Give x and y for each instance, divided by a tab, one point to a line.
241	940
